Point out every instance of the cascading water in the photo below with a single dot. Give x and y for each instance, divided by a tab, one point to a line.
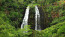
25	20
37	19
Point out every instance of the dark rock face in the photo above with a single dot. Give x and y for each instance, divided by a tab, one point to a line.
31	20
43	18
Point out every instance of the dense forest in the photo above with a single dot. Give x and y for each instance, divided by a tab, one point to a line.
12	13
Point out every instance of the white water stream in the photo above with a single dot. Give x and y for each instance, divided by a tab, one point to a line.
25	19
37	19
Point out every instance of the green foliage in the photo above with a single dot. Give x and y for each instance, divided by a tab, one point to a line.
3	18
12	12
53	31
21	1
25	32
58	20
9	31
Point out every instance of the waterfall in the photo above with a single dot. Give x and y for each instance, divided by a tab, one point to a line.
25	19
37	19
